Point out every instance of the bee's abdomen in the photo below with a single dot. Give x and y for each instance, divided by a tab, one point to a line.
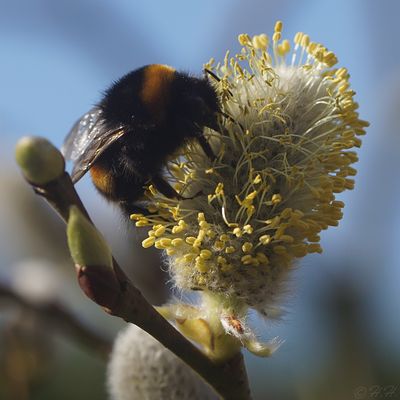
103	180
114	179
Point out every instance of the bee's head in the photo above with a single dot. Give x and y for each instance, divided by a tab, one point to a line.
195	101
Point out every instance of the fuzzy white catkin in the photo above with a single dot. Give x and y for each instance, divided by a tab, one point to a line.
141	368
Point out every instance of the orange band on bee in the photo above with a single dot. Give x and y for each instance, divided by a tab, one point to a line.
102	179
156	82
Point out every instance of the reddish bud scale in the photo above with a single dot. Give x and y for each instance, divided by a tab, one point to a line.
99	284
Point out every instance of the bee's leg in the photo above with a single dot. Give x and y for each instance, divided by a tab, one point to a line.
165	188
203	142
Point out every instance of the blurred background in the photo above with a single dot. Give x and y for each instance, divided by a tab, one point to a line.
342	327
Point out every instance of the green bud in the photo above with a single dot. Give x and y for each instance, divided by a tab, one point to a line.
39	160
86	244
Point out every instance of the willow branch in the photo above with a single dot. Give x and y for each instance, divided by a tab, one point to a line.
122	299
61	319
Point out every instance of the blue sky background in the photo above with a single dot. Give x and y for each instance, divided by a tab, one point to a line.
57	56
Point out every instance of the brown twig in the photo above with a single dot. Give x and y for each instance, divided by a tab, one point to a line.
119	297
62	320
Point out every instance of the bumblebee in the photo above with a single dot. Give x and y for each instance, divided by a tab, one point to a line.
142	119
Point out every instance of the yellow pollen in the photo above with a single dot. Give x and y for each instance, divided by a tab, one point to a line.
189	257
276	199
237	232
177	229
262	258
244	39
247	247
279	249
159	231
248	229
177	242
257	179
197	243
250	211
190	239
276	36
260	42
297	37
230	249
210	233
226	267
201	264
305	41
286	213
252	195
224	238
219	190
338	204
205	254
204	224
278	26
135	217
314	248
284	48
221	260
201	235
195	250
219	245
141	223
152	208
247	259
265	239
273	222
201	280
162	243
287	238
299	250
146	243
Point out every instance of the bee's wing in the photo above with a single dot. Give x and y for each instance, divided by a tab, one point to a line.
79	136
88	138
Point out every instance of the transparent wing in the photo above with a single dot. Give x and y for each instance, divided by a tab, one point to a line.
79	137
88	138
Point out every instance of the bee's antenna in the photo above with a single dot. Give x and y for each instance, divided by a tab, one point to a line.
229	118
217	78
209	72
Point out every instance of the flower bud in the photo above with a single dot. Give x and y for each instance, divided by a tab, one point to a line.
39	160
93	260
86	244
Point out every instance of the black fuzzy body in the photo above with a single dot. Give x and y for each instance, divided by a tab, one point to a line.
153	130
